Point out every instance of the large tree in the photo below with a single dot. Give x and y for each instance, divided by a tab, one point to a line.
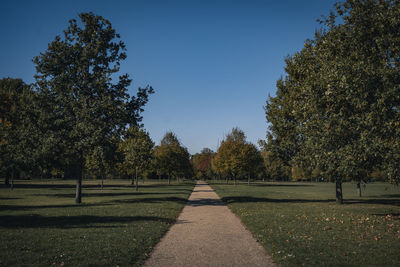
342	90
76	76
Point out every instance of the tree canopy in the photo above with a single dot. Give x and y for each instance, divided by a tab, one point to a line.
171	159
136	148
337	109
236	157
76	78
202	163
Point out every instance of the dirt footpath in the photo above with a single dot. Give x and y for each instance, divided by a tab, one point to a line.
207	233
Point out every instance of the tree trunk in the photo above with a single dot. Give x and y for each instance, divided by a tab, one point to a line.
169	180
234	181
137	186
78	192
133	180
12	178
359	189
7	180
248	180
339	192
102	181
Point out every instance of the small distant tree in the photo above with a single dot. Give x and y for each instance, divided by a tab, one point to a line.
202	163
250	161
171	158
136	148
236	157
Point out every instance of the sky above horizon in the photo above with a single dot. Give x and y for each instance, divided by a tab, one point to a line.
212	64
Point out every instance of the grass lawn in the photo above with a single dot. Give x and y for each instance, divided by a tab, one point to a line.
299	224
40	225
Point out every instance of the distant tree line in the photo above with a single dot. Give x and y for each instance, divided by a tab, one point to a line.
236	159
336	113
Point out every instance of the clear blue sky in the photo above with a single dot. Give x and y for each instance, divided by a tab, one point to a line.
213	63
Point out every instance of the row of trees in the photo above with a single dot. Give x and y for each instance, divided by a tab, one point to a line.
337	110
235	159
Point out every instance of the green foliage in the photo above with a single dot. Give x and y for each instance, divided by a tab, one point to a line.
84	109
237	158
171	159
338	106
14	135
136	148
275	168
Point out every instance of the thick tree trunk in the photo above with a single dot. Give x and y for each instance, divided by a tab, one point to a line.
339	192
359	189
78	192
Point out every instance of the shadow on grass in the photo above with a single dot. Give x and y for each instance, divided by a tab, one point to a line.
382	201
104	194
50	185
282	185
205	202
106	203
83	221
249	199
9	198
152	200
26	207
263	184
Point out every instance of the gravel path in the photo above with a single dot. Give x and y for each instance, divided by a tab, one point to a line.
207	233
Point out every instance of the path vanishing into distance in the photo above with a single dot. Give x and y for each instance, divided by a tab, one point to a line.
207	233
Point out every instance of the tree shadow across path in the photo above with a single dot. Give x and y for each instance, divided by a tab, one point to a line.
205	202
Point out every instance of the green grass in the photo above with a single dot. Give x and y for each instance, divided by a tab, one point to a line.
41	226
300	224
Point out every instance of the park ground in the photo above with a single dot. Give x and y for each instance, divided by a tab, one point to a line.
297	223
40	225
